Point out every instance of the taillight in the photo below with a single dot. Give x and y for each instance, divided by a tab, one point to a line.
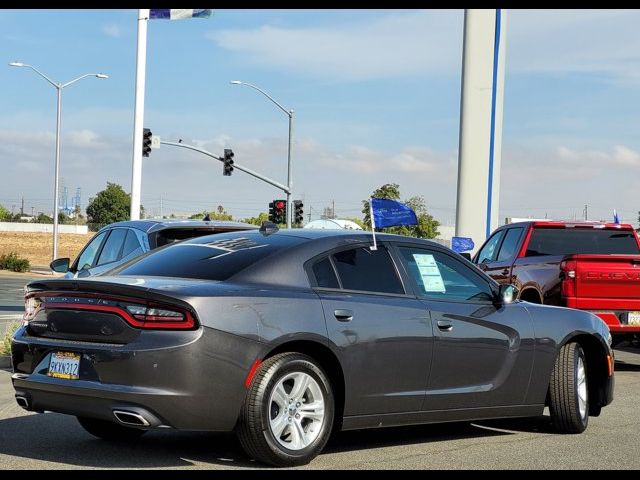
568	273
147	315
155	317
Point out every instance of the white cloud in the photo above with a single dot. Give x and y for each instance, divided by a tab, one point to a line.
429	42
415	43
112	30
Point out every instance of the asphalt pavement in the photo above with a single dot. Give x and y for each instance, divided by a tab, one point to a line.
11	296
55	441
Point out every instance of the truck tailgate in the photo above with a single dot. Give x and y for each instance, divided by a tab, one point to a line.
610	282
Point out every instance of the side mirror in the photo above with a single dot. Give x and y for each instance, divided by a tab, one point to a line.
466	255
507	294
60	265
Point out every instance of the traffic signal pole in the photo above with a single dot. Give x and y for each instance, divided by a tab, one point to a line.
253	173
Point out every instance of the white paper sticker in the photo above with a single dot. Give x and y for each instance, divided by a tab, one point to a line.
430	273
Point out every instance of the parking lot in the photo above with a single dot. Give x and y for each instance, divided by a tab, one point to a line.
54	441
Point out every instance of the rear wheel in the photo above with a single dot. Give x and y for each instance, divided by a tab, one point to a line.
288	412
110	430
568	393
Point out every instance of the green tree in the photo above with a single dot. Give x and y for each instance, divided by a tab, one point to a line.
110	205
42	218
5	215
427	226
262	217
219	214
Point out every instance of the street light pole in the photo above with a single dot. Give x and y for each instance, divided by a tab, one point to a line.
59	87
290	114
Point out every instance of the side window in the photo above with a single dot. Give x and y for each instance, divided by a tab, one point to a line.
113	246
131	245
324	274
366	270
510	243
442	277
490	251
88	255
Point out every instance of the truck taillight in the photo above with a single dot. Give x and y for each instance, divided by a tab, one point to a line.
568	272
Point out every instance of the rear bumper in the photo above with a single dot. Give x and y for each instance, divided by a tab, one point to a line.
617	321
188	381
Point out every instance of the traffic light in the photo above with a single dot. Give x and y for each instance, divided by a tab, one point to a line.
298	212
278	212
146	142
227	169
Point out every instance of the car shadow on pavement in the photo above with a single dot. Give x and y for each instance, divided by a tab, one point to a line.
59	439
621	366
409	435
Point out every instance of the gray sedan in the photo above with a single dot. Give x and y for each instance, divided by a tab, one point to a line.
285	337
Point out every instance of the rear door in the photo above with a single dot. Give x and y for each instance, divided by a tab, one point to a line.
382	331
483	352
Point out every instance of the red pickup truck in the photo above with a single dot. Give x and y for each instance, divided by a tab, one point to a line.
591	266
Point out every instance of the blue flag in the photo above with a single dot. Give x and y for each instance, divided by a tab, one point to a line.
461	244
616	218
178	13
387	213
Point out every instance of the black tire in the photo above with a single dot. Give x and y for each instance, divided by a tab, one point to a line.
253	428
110	430
564	403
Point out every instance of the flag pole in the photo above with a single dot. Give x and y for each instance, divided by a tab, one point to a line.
373	225
138	115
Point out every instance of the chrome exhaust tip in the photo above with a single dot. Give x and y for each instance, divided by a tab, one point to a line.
23	402
131	419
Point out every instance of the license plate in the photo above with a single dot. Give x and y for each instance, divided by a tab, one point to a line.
64	365
633	318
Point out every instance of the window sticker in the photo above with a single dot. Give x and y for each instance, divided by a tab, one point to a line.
430	273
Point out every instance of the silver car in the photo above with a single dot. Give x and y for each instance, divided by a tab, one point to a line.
120	242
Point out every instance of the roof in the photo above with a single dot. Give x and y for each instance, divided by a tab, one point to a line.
572	224
333	224
149	225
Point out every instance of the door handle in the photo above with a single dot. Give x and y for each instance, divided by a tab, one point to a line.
445	325
343	315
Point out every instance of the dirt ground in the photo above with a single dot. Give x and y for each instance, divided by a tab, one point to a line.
36	247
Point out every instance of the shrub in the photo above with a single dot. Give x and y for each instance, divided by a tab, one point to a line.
14	263
5	341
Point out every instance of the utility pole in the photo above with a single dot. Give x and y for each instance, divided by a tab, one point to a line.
586	211
161	207
333	209
22	207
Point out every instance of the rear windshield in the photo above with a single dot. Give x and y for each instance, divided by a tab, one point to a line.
565	241
171	235
214	257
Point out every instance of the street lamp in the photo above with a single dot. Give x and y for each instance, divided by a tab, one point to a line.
58	86
289	114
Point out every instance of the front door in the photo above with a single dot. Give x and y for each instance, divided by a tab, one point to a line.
483	352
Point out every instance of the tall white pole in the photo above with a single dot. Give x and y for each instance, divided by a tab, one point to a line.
480	124
56	175
138	115
289	179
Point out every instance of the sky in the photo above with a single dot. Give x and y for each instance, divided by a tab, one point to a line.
376	95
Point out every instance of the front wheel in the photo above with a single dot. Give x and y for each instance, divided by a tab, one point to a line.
288	412
568	392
